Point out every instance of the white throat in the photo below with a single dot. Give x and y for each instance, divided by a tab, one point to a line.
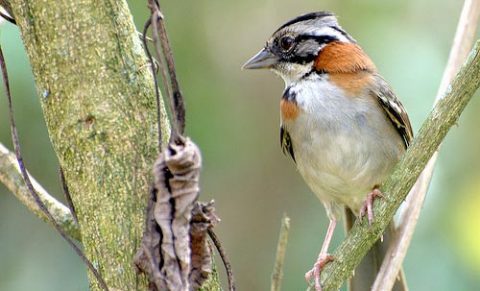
291	72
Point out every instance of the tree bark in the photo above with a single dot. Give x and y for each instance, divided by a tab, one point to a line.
97	96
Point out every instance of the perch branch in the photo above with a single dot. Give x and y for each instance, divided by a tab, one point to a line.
443	116
11	177
277	275
462	44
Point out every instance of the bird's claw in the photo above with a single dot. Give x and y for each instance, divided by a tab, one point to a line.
315	272
368	204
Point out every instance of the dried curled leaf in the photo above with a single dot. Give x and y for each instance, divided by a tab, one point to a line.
148	258
176	180
174	252
203	218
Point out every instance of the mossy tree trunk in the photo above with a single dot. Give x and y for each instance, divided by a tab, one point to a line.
97	96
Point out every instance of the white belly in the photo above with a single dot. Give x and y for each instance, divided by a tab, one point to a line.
343	146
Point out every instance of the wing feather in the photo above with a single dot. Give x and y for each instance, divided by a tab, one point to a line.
286	143
393	109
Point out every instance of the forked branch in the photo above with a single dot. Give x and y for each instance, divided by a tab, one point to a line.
11	177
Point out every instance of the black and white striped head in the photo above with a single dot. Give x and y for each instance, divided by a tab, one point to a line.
292	49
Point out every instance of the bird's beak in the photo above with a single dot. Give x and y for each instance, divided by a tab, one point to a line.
264	59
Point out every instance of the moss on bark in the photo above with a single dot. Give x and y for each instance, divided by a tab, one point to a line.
97	96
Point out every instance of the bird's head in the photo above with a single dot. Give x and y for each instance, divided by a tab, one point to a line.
293	49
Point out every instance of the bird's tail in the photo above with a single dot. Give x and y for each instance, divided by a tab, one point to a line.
367	270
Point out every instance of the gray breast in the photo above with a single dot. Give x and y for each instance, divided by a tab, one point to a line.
343	146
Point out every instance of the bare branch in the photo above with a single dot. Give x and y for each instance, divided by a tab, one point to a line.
151	60
462	44
443	116
226	262
277	275
11	177
160	39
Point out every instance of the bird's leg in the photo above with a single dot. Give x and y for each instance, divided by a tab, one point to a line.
368	204
323	258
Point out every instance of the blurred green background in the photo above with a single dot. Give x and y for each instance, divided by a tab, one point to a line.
233	116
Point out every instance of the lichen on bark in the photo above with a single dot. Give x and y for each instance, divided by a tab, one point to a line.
97	96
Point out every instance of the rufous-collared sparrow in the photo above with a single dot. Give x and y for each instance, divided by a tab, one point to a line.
340	121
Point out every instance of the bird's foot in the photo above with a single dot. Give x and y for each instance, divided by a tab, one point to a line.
368	204
315	272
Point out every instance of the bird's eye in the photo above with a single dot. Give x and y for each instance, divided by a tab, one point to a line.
286	43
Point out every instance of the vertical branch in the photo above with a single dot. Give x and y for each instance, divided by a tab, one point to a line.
155	82
277	274
179	106
462	44
174	259
160	38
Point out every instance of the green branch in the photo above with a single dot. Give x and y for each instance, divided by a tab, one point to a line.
11	177
444	115
277	274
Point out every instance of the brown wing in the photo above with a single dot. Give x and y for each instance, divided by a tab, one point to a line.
394	109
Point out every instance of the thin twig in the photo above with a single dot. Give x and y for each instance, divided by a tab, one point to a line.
28	182
156	63
11	177
68	197
177	107
277	275
226	262
143	35
176	103
177	95
163	67
462	44
155	81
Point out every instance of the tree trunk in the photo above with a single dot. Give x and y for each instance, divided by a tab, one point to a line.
97	96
